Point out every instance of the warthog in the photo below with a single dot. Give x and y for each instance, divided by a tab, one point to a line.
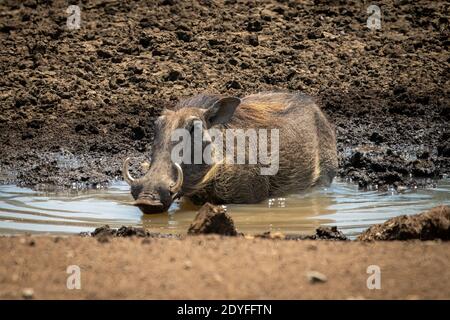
306	152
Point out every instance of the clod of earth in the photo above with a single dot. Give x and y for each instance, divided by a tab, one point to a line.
329	233
316	277
103	233
429	225
213	219
28	293
322	233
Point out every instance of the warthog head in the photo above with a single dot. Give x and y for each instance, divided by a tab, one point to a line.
165	180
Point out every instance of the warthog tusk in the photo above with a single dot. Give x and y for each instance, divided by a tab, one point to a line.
177	186
126	174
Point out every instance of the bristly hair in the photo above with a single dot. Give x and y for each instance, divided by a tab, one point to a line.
260	110
255	111
203	101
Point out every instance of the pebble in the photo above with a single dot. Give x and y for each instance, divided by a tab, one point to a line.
316	277
174	75
28	293
187	264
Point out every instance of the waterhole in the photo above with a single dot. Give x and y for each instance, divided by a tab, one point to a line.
341	204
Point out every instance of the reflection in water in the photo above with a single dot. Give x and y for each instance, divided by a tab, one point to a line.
342	204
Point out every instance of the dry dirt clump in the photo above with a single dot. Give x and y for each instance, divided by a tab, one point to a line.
210	219
104	233
213	219
322	233
429	225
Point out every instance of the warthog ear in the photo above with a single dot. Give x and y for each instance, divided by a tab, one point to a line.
221	111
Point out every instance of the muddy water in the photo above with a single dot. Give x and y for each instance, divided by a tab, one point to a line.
341	204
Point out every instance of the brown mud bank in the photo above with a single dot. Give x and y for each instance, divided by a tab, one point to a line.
429	225
132	263
433	224
213	267
75	103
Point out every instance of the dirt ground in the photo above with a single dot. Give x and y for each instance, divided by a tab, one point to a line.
74	103
206	267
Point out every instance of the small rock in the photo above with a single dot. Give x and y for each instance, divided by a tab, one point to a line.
117	59
103	233
184	36
253	40
136	69
49	98
329	35
233	61
28	293
145	23
145	41
398	90
329	233
174	75
104	54
121	79
131	231
35	123
254	26
316	277
357	159
187	265
322	233
233	84
315	34
215	42
79	127
376	138
138	133
213	219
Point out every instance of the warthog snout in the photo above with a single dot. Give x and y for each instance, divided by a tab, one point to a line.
153	195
